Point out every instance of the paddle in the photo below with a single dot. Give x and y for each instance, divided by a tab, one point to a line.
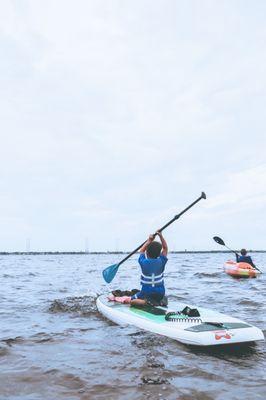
220	241
110	272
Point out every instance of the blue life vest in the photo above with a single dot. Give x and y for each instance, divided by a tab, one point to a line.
245	259
152	271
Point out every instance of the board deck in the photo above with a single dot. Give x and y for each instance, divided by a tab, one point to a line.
210	328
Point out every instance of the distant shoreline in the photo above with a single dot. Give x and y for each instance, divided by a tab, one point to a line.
37	253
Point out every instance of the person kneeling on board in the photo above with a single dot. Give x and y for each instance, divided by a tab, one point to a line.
152	260
244	258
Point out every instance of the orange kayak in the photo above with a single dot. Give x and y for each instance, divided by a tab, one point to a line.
240	270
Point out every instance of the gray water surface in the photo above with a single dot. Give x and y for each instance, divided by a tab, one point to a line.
55	345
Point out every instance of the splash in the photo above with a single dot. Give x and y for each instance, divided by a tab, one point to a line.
82	305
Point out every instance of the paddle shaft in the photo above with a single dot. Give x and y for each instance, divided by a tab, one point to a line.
203	196
231	249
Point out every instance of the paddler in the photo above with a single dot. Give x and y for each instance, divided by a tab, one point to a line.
244	258
152	260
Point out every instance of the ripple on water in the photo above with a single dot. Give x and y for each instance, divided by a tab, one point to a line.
48	382
207	274
154	379
11	341
4	350
149	340
8	276
83	305
188	394
42	337
249	302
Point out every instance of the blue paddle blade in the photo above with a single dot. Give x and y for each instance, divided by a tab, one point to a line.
110	272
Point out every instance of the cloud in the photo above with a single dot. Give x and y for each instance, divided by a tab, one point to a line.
117	115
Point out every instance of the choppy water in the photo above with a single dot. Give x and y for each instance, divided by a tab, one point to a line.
55	345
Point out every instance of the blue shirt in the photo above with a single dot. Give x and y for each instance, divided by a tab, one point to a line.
245	259
152	271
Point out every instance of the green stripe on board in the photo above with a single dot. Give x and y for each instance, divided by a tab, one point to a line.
159	319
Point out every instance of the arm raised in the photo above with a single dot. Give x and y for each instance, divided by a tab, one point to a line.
146	244
164	244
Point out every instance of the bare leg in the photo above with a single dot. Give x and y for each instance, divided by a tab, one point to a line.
138	302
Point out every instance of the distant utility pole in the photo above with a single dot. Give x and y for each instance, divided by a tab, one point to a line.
28	245
86	245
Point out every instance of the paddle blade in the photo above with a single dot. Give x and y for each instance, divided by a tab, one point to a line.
218	240
110	272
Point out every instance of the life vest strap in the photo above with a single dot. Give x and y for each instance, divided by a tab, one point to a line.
152	279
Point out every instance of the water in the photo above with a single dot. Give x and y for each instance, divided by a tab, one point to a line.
55	345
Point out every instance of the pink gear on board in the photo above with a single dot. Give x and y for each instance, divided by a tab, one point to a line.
122	299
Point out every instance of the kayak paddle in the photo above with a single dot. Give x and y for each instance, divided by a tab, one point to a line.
110	272
220	241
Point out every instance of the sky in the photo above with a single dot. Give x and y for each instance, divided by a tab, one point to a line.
116	115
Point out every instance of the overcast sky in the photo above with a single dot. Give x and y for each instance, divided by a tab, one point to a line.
116	114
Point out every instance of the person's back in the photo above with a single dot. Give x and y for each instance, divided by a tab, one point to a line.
152	268
152	260
244	258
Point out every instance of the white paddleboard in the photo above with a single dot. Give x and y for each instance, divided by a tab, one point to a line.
210	328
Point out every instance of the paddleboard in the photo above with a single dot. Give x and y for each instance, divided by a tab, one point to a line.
240	270
208	329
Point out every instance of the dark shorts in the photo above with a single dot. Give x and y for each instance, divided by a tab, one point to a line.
153	295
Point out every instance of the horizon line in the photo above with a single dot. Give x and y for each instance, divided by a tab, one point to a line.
2	253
